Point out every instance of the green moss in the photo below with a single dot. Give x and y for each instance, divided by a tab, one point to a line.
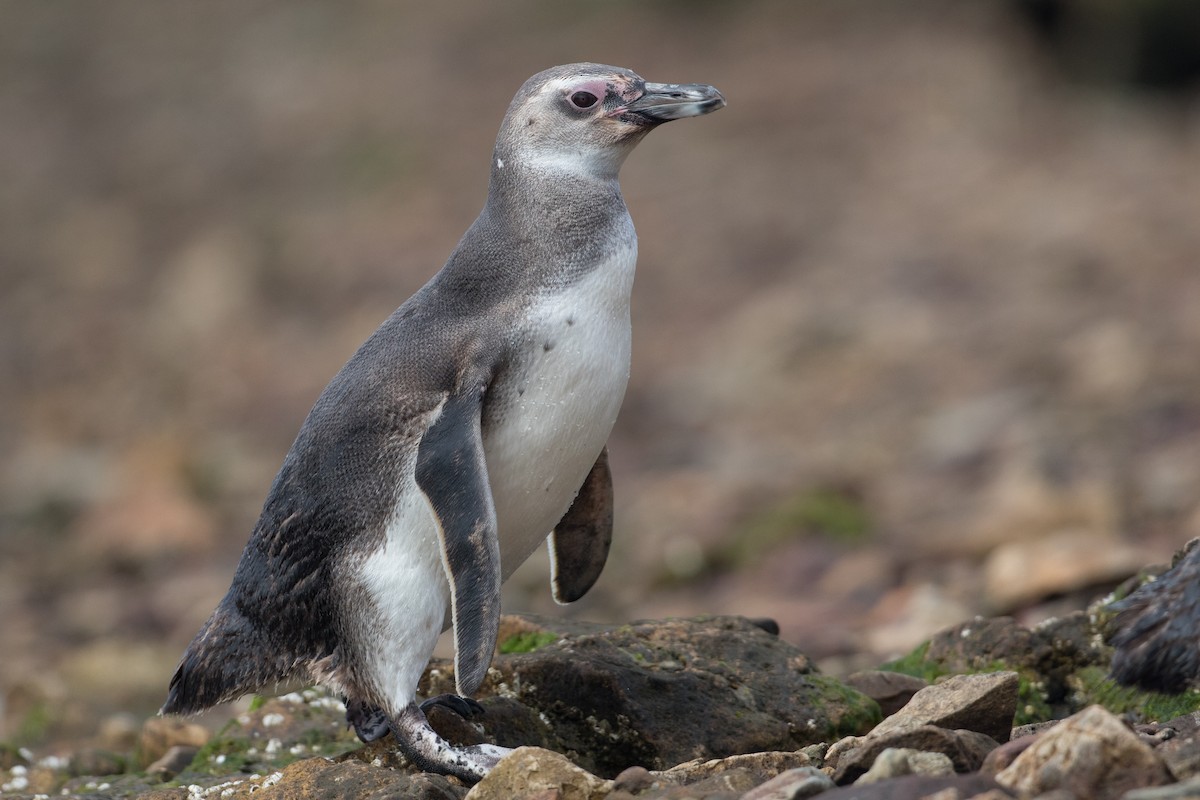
527	642
1092	685
257	702
916	665
859	713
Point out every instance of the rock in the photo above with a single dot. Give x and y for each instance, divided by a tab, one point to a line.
852	757
11	756
633	780
1006	753
1019	572
160	734
978	644
119	732
92	761
1061	665
615	697
1032	729
322	779
984	703
896	761
530	770
730	785
918	787
794	784
173	762
1181	752
892	690
761	766
1091	754
1179	791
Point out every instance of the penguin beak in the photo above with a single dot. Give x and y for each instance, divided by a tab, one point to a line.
663	102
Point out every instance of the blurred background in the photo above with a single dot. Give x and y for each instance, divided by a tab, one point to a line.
916	326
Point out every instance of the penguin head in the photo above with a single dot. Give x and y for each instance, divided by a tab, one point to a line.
586	118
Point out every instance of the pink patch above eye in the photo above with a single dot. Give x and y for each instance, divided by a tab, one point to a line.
597	88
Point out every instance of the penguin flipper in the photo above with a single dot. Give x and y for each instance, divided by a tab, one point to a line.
580	541
452	474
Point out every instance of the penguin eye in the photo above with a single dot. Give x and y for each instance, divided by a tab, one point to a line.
583	99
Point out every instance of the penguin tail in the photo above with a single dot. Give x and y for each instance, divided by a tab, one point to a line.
228	658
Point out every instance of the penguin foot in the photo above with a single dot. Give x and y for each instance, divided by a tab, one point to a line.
465	707
369	722
428	751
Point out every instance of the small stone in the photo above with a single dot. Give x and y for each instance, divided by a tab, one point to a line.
633	780
1092	754
794	784
985	703
892	690
1005	754
119	732
896	761
95	762
160	734
529	770
1181	752
965	749
173	762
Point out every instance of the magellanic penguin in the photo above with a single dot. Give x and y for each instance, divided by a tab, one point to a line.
469	427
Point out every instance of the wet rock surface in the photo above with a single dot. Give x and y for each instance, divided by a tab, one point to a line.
712	708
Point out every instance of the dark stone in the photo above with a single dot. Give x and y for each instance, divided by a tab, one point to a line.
660	693
979	645
1006	753
633	780
892	690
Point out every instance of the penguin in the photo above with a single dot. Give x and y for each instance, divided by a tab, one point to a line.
1156	631
469	427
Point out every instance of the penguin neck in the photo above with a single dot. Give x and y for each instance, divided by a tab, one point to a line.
536	178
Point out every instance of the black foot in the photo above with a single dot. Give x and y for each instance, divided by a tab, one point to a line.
369	722
465	707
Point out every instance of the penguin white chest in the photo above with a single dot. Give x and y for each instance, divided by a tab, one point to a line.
564	391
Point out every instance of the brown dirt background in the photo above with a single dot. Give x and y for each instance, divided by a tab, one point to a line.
916	322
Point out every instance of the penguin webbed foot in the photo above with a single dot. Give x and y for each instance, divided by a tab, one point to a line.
465	707
430	752
369	722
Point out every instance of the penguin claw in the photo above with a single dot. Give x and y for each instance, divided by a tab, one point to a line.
465	707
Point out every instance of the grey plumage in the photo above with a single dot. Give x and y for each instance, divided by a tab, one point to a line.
457	437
